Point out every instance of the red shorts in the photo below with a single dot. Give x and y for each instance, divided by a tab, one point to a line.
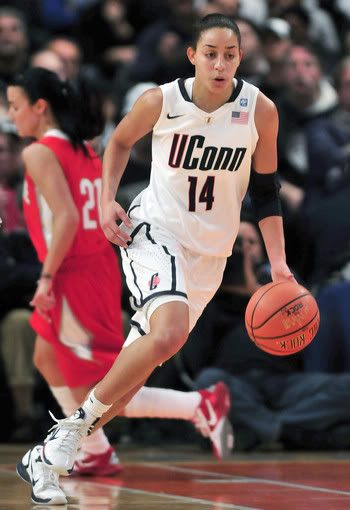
86	323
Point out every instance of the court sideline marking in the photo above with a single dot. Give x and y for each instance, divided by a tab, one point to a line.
243	479
183	499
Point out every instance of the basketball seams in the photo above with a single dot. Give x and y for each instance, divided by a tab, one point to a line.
290	332
256	304
286	315
279	309
275	351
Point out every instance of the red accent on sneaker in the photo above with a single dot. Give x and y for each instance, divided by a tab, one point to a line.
211	418
102	464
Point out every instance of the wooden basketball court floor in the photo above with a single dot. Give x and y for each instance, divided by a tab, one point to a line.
185	478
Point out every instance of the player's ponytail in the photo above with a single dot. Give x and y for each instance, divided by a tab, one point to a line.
65	103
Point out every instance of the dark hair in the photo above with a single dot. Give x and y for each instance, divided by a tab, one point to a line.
215	20
67	106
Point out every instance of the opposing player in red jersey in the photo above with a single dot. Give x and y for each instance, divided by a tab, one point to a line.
77	313
77	303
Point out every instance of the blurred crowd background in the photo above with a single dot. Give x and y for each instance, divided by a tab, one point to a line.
298	53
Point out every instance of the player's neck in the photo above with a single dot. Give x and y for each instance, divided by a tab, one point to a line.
206	100
47	127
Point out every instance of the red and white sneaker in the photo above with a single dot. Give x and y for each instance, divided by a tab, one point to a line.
211	419
102	464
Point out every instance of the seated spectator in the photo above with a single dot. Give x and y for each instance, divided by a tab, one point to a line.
69	52
276	40
331	351
49	60
326	209
253	66
13	42
274	400
115	45
307	96
17	347
161	47
311	25
19	272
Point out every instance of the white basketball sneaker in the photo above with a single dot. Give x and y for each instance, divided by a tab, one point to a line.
63	441
211	419
44	482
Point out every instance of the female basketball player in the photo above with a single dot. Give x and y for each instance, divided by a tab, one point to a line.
207	132
77	313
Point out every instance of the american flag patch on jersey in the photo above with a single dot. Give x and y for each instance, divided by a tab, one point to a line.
240	117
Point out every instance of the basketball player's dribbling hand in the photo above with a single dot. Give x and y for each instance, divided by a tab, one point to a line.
281	272
111	212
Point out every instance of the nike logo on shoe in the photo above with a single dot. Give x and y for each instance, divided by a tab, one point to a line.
212	414
174	116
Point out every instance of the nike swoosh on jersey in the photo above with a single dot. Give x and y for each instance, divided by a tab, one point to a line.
174	116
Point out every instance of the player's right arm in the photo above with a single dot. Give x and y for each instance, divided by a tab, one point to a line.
136	124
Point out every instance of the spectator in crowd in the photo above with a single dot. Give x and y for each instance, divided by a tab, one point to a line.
70	53
161	47
19	272
326	210
50	60
307	96
61	16
11	178
115	46
13	43
331	351
276	40
253	66
310	25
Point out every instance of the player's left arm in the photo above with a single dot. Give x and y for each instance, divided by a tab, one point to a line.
264	187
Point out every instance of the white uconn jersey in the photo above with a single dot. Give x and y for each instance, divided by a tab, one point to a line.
200	168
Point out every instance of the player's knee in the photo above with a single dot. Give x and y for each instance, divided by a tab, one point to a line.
169	342
43	360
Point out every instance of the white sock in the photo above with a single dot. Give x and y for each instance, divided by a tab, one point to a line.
163	403
94	408
97	442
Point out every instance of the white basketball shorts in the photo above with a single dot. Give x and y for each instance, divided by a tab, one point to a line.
159	270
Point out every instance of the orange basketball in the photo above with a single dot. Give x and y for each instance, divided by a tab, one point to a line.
282	318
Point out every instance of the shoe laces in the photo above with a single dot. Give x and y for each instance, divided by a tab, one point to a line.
72	431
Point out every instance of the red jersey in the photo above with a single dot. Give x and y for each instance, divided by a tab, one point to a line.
86	322
83	174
